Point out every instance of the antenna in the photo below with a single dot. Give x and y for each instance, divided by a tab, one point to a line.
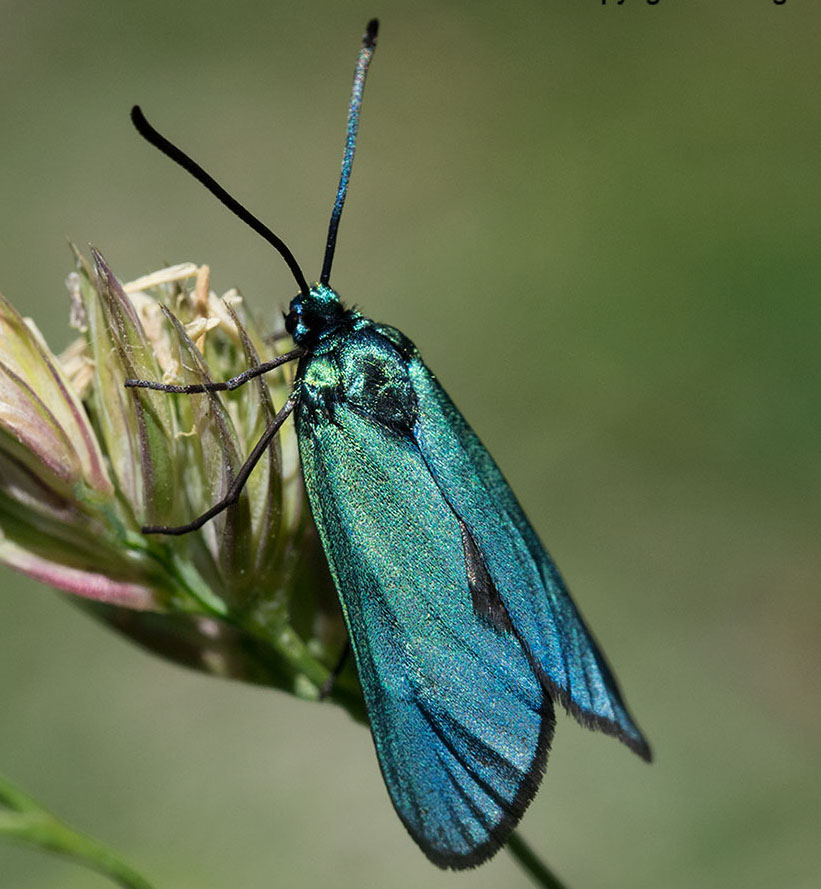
159	141
360	73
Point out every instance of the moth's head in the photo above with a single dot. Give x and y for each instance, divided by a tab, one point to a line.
310	315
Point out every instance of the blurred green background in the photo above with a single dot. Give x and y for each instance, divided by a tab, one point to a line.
601	225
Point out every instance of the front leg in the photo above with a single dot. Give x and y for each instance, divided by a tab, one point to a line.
228	385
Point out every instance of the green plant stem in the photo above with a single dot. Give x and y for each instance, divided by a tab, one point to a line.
26	821
530	862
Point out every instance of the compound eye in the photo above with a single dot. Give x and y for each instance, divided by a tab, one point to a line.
291	321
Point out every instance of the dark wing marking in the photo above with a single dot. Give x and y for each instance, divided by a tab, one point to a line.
487	602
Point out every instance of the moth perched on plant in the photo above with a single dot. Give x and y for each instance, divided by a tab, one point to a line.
462	630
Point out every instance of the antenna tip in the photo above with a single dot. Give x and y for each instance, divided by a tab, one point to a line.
369	40
138	118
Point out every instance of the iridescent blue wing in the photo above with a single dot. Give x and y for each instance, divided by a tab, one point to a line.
573	668
460	720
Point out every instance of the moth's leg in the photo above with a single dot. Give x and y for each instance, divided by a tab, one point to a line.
233	383
234	491
328	684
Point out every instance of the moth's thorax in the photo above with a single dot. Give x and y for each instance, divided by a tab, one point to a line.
363	366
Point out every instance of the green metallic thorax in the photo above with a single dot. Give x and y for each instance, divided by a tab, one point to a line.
351	360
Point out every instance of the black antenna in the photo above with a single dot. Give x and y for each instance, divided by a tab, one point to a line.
360	73
148	132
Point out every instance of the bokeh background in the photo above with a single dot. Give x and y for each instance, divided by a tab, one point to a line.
601	225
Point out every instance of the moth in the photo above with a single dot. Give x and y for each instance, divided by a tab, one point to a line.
462	629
